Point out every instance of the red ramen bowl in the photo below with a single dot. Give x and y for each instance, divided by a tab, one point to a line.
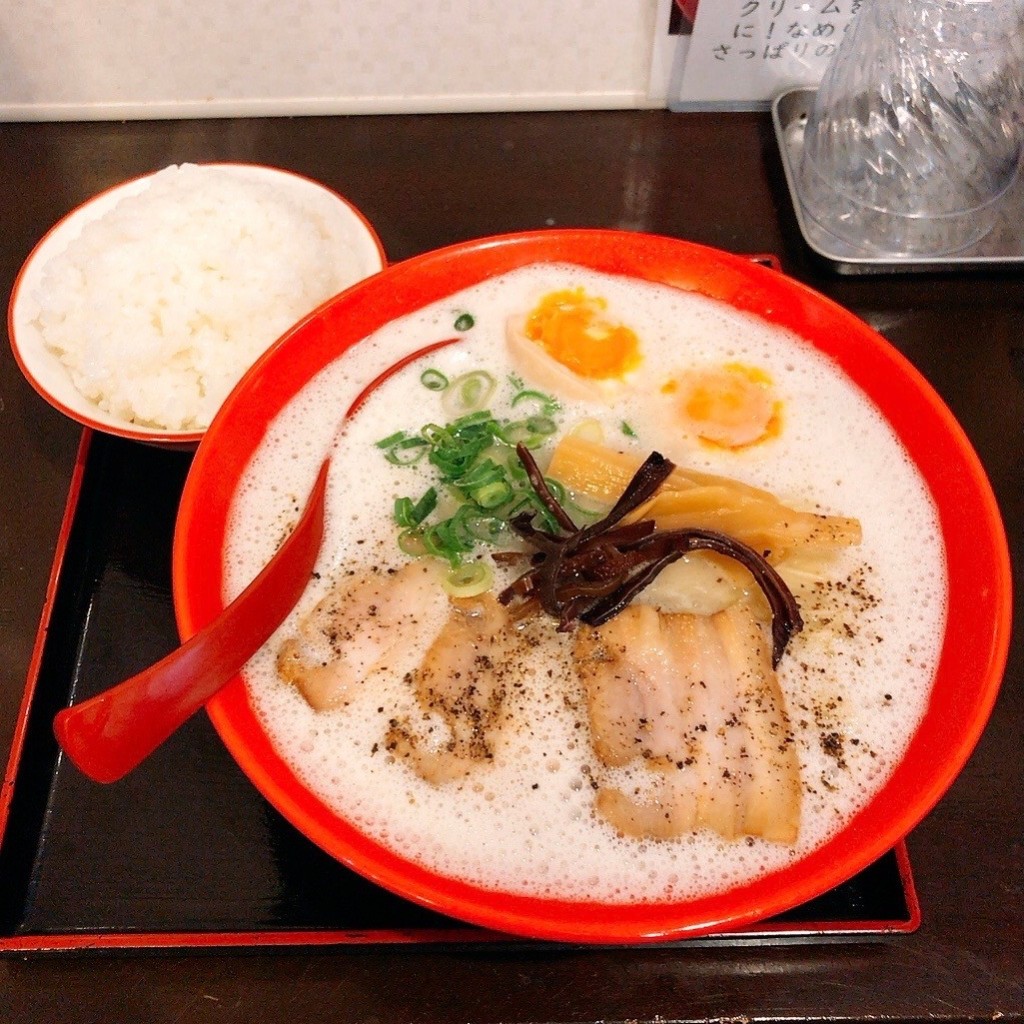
972	656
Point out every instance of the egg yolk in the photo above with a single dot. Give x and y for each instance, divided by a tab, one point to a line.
572	328
731	406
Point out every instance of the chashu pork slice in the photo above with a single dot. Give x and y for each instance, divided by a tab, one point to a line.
694	700
460	687
366	623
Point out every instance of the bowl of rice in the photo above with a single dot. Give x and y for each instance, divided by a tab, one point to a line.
139	311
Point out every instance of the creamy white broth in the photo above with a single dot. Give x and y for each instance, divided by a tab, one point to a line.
854	692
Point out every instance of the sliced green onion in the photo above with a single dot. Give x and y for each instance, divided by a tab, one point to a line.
517	474
411	514
455	459
628	430
433	380
514	432
485	472
524	504
403	512
527	432
464	321
447	540
411	543
432	433
488	529
435	545
542	425
480	418
557	489
468	393
581	513
545	403
391	439
492	495
469	579
407	452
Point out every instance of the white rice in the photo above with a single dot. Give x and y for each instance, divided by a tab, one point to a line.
160	305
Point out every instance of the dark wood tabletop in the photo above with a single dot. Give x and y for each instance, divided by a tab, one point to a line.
426	181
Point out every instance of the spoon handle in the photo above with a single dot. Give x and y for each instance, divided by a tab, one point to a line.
109	734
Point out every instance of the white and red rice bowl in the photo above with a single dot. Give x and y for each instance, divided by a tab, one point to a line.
138	312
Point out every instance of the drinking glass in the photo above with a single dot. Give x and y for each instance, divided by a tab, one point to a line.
916	128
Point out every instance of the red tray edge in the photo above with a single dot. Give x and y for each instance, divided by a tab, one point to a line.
35	660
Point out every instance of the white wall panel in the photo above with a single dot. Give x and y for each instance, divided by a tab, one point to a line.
175	58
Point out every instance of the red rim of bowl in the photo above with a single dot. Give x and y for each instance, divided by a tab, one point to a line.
973	654
170	438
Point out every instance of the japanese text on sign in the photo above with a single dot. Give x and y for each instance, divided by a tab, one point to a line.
753	49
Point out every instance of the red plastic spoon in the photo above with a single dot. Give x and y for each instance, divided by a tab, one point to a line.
109	734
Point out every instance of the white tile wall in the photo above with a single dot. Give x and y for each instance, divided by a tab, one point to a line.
94	59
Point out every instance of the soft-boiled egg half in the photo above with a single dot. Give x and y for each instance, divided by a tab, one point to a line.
732	405
568	344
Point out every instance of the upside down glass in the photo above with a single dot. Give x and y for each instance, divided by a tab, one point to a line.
916	129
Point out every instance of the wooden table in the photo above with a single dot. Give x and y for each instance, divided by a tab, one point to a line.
426	181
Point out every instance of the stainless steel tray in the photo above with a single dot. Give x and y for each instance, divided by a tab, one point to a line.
1003	246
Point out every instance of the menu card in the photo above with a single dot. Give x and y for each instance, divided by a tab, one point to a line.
745	52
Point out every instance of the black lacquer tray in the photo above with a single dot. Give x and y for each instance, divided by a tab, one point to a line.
184	852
